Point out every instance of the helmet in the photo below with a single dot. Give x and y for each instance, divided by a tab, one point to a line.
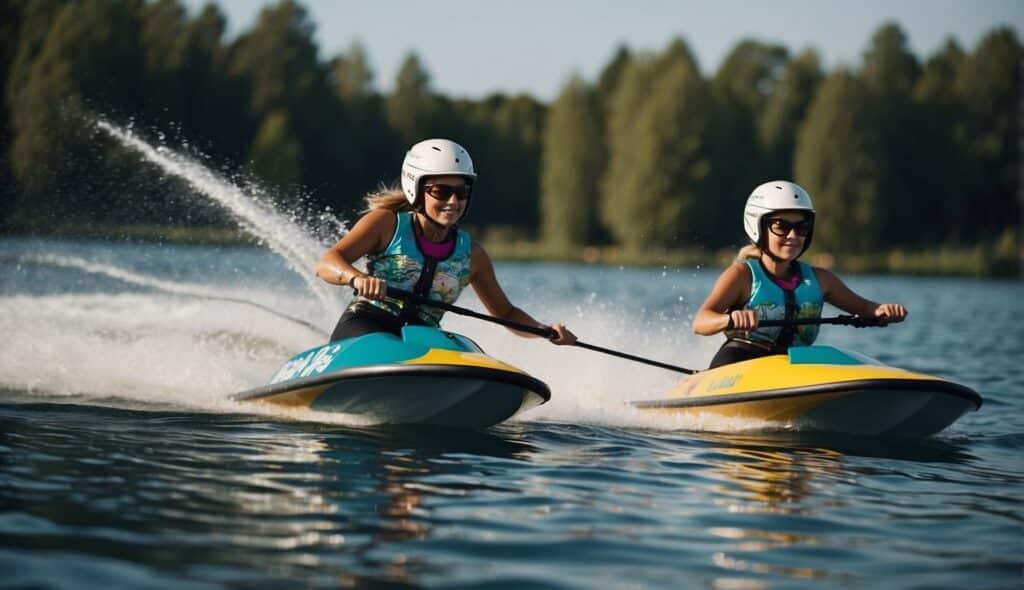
777	195
433	157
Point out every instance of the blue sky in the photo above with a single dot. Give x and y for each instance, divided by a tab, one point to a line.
473	48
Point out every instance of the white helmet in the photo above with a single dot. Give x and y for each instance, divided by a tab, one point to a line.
777	195
433	157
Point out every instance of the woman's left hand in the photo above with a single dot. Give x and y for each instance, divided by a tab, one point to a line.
562	335
890	313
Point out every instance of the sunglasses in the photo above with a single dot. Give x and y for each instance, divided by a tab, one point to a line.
443	192
782	227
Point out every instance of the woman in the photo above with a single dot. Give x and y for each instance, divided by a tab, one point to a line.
768	282
412	242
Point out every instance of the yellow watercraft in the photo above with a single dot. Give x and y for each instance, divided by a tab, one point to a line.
822	388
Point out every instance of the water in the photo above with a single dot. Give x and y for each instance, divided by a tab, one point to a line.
123	464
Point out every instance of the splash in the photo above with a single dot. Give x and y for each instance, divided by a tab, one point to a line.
170	287
279	233
168	347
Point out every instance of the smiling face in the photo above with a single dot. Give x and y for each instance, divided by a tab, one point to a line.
787	233
445	198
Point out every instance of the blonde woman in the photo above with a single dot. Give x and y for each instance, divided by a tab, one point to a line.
768	282
412	241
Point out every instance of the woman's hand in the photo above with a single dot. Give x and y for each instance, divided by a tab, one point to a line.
370	287
562	335
742	319
890	313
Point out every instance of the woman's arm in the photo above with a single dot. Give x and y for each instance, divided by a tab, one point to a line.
838	294
731	290
370	234
485	284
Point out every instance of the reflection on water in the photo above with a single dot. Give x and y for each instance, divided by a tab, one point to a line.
149	479
797	475
316	501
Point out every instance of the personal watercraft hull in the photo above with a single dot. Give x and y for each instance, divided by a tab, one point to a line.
821	388
426	377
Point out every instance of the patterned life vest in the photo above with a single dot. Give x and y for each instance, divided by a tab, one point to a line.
402	264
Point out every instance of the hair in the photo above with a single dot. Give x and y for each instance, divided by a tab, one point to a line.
387	196
748	252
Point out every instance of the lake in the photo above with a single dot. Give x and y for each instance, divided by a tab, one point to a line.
124	464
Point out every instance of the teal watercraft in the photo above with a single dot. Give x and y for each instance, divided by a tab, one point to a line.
428	376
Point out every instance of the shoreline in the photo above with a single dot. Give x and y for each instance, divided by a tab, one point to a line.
1002	258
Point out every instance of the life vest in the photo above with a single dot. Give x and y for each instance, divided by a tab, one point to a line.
402	265
773	302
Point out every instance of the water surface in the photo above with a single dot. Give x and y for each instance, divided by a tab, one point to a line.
123	464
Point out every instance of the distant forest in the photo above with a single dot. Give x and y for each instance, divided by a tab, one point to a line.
653	153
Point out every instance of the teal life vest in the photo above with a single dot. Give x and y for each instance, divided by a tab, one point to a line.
773	302
402	265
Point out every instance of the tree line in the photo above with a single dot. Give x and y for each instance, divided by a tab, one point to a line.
652	153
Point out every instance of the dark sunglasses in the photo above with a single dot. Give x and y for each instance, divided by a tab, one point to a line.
443	192
782	227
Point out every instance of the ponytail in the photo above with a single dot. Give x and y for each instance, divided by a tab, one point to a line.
748	252
386	197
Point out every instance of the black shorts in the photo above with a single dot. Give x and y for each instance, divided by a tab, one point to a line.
734	351
367	319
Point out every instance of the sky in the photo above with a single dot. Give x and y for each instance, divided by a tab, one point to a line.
474	48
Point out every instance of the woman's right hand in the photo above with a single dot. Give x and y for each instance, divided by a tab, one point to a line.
743	319
370	287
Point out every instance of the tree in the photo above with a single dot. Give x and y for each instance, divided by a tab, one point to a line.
279	59
84	61
276	155
989	83
889	68
943	164
656	159
352	75
163	53
749	75
740	90
571	167
784	112
609	78
506	152
412	106
889	73
837	162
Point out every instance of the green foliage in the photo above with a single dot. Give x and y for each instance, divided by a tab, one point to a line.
571	167
504	136
740	91
649	156
889	67
656	164
276	155
989	84
412	106
785	111
836	162
890	72
352	75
